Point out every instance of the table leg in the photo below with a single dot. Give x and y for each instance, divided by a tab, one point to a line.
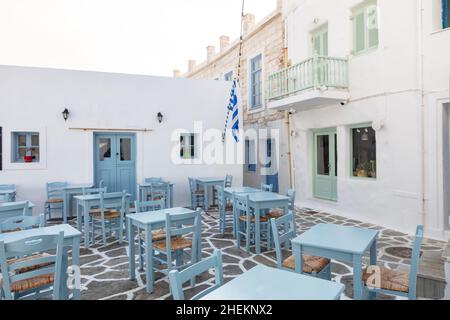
148	260
65	207
257	230
206	187
130	232
357	277
298	255
64	292
373	262
76	263
86	224
171	196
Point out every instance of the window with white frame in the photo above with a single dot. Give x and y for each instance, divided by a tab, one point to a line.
25	147
364	152
365	27
228	76
250	155
188	146
256	82
446	14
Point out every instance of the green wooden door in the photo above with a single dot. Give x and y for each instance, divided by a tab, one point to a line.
325	165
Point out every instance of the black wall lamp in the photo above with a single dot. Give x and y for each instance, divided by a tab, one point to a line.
160	117
65	114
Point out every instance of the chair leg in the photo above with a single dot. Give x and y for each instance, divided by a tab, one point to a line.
104	232
247	237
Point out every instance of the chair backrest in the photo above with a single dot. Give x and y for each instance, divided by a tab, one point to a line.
221	197
228	181
147	206
177	278
55	189
290	193
11	197
4	198
283	230
241	207
267	187
23	269
114	200
22	223
7	186
192	184
415	257
14	209
101	183
153	179
88	191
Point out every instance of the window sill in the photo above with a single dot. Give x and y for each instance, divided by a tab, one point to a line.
363	179
364	52
255	109
440	31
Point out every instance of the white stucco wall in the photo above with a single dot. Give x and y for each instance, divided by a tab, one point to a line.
32	99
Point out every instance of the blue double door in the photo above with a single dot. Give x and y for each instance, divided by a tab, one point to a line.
115	161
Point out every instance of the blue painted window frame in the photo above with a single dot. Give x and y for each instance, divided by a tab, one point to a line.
251	167
28	145
446	14
256	86
228	76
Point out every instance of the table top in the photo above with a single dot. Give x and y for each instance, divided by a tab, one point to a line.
232	190
266	196
338	238
9	204
210	180
154	184
158	216
89	197
78	186
264	283
69	232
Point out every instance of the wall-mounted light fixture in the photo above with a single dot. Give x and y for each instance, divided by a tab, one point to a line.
65	114
160	117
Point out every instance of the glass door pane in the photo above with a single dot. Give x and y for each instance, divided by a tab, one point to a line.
104	149
125	149
323	155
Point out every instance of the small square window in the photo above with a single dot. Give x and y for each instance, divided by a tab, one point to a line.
25	147
228	76
364	152
187	146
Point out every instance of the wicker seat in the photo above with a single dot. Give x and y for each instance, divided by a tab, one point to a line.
31	283
252	219
390	279
157	235
199	192
310	263
30	268
111	214
275	214
176	244
55	200
98	211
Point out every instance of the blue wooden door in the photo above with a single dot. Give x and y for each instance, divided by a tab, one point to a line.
272	177
115	161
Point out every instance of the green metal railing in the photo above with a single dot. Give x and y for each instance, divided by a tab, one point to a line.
315	72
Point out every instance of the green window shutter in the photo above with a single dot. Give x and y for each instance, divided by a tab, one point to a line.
373	30
325	43
360	38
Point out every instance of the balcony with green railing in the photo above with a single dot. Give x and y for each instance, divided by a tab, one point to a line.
315	73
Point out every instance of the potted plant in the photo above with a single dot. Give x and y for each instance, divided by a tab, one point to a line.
28	157
363	169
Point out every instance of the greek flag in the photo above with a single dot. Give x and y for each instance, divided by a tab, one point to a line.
234	109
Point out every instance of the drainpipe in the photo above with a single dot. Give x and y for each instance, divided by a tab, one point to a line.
287	123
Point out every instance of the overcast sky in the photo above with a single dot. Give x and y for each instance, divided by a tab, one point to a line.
127	36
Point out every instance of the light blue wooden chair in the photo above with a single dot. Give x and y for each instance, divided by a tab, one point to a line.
178	278
284	230
14	209
8	197
225	210
197	195
227	183
157	235
29	266
266	187
394	282
153	179
183	232
55	198
277	213
245	223
4	198
22	223
110	216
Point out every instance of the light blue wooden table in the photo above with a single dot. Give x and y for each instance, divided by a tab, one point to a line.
264	283
70	191
338	242
84	205
72	238
149	221
260	201
145	187
6	210
208	183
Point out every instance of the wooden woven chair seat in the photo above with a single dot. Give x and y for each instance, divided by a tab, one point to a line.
310	263
33	267
390	279
252	219
229	207
275	213
176	244
32	283
111	214
157	235
199	193
55	200
98	211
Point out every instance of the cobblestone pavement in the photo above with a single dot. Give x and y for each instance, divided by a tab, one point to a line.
105	268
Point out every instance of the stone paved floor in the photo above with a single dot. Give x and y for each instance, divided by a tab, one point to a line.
105	268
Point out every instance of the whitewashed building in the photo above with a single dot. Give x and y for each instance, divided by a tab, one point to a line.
112	125
368	88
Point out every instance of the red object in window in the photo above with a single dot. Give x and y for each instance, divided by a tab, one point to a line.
28	159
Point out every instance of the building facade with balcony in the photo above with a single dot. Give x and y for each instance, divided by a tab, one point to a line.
263	53
367	87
